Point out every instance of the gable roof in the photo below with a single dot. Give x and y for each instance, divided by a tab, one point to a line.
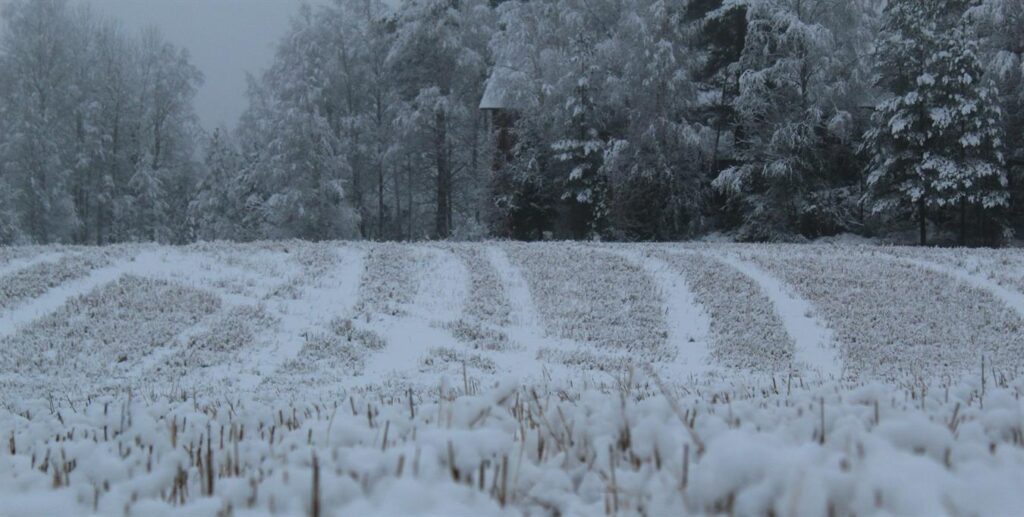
499	92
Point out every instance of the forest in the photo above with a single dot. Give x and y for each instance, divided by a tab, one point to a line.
613	120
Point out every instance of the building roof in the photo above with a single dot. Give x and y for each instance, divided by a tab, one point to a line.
498	94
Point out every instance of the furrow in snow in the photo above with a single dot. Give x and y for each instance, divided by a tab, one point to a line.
689	326
524	312
18	264
30	310
526	329
1013	299
443	287
814	345
331	296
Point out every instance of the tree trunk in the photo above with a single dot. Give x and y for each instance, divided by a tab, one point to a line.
922	219
397	226
380	169
408	198
443	179
380	200
963	222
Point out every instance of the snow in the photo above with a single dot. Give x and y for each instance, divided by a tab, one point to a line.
747	333
1013	299
333	294
498	92
761	453
17	264
689	326
814	347
409	370
527	328
11	320
439	299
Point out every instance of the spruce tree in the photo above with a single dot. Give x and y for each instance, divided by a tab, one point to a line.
935	141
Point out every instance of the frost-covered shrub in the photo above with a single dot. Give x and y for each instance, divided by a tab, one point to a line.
439	359
315	262
746	331
236	330
236	285
340	351
586	359
263	258
322	350
9	254
345	328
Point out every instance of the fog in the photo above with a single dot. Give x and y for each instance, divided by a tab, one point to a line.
226	39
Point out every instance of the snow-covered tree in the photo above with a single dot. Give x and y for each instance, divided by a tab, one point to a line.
600	92
297	171
1000	33
37	58
217	211
798	86
434	35
148	206
169	82
936	140
83	103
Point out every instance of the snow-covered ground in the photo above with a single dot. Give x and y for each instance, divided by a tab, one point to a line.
499	378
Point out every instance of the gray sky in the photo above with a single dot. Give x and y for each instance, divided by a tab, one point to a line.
226	39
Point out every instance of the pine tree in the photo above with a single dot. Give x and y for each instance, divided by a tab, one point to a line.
1001	35
967	159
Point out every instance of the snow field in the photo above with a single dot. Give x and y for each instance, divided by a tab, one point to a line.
480	329
689	326
95	339
502	378
289	313
813	346
13	261
746	330
1001	272
37	277
899	322
597	299
514	449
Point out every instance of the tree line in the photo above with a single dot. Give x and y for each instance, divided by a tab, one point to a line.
763	120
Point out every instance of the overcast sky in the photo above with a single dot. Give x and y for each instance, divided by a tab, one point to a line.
226	39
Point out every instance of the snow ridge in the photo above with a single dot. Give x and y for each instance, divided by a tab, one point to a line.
814	343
